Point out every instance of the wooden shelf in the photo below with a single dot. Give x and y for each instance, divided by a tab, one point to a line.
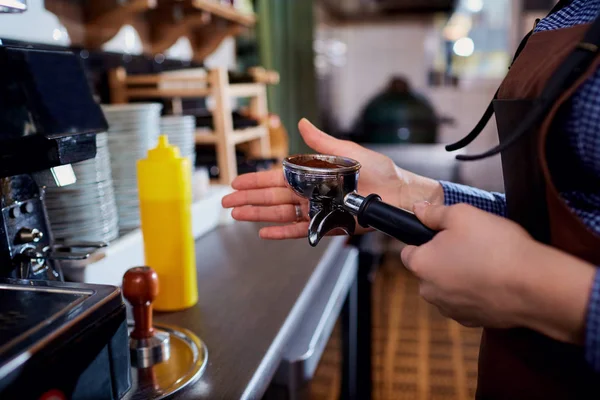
166	30
226	12
92	23
236	137
214	84
109	13
248	134
163	78
207	38
151	93
138	92
246	89
159	23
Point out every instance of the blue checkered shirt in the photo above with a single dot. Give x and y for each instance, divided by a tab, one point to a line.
583	130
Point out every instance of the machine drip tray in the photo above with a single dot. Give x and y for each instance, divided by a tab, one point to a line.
186	364
24	310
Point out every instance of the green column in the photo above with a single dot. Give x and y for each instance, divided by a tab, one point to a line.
285	37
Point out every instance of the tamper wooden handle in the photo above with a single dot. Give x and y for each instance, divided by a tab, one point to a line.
140	288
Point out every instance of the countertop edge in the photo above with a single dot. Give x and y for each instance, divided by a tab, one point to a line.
268	366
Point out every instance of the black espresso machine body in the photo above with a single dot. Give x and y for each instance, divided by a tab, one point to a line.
57	340
62	341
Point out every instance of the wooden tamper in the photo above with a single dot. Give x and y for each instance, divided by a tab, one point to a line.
147	345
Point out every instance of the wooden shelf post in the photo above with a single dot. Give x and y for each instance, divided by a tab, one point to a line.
260	148
117	82
223	125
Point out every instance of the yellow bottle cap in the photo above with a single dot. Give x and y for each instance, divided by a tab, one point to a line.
163	151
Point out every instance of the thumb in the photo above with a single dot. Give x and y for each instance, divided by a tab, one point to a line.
321	142
406	256
433	216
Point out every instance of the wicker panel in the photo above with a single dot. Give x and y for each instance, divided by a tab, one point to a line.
417	353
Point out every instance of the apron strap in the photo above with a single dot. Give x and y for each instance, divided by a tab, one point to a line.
489	112
573	67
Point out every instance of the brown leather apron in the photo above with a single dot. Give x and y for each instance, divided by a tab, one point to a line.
519	363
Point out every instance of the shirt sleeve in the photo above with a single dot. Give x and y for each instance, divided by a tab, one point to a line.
592	331
491	202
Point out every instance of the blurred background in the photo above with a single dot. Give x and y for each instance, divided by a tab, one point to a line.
383	72
404	77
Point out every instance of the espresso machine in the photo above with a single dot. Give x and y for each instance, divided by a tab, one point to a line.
58	340
63	340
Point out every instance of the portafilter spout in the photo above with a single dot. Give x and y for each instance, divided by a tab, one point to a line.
330	184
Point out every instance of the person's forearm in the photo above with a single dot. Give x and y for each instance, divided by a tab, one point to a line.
554	303
416	188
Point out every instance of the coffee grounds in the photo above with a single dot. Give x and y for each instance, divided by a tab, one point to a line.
316	163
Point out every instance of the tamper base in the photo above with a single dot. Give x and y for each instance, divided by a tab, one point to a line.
147	352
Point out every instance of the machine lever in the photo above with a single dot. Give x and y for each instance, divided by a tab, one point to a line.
68	246
67	255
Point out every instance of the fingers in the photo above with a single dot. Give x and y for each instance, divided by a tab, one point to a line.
260	197
295	231
434	217
326	144
321	142
469	324
406	256
415	259
457	316
315	138
280	213
259	180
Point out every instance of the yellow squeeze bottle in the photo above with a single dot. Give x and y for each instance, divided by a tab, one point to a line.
165	195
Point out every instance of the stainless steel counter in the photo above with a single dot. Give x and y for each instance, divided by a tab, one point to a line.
252	294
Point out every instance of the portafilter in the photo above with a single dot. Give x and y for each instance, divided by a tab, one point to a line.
330	184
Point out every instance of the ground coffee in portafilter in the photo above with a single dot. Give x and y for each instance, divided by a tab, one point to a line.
316	163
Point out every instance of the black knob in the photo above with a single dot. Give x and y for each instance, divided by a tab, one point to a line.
28	235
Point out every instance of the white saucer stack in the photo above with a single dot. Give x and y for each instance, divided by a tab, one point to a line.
86	210
180	129
133	130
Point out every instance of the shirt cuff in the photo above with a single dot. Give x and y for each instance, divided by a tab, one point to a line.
592	331
491	202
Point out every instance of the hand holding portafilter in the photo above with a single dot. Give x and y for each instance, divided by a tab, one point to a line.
330	184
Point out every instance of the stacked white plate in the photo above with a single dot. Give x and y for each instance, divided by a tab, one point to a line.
180	129
86	210
133	130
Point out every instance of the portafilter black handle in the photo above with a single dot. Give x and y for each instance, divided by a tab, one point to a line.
403	225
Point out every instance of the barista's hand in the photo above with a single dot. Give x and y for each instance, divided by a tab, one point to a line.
264	196
484	270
